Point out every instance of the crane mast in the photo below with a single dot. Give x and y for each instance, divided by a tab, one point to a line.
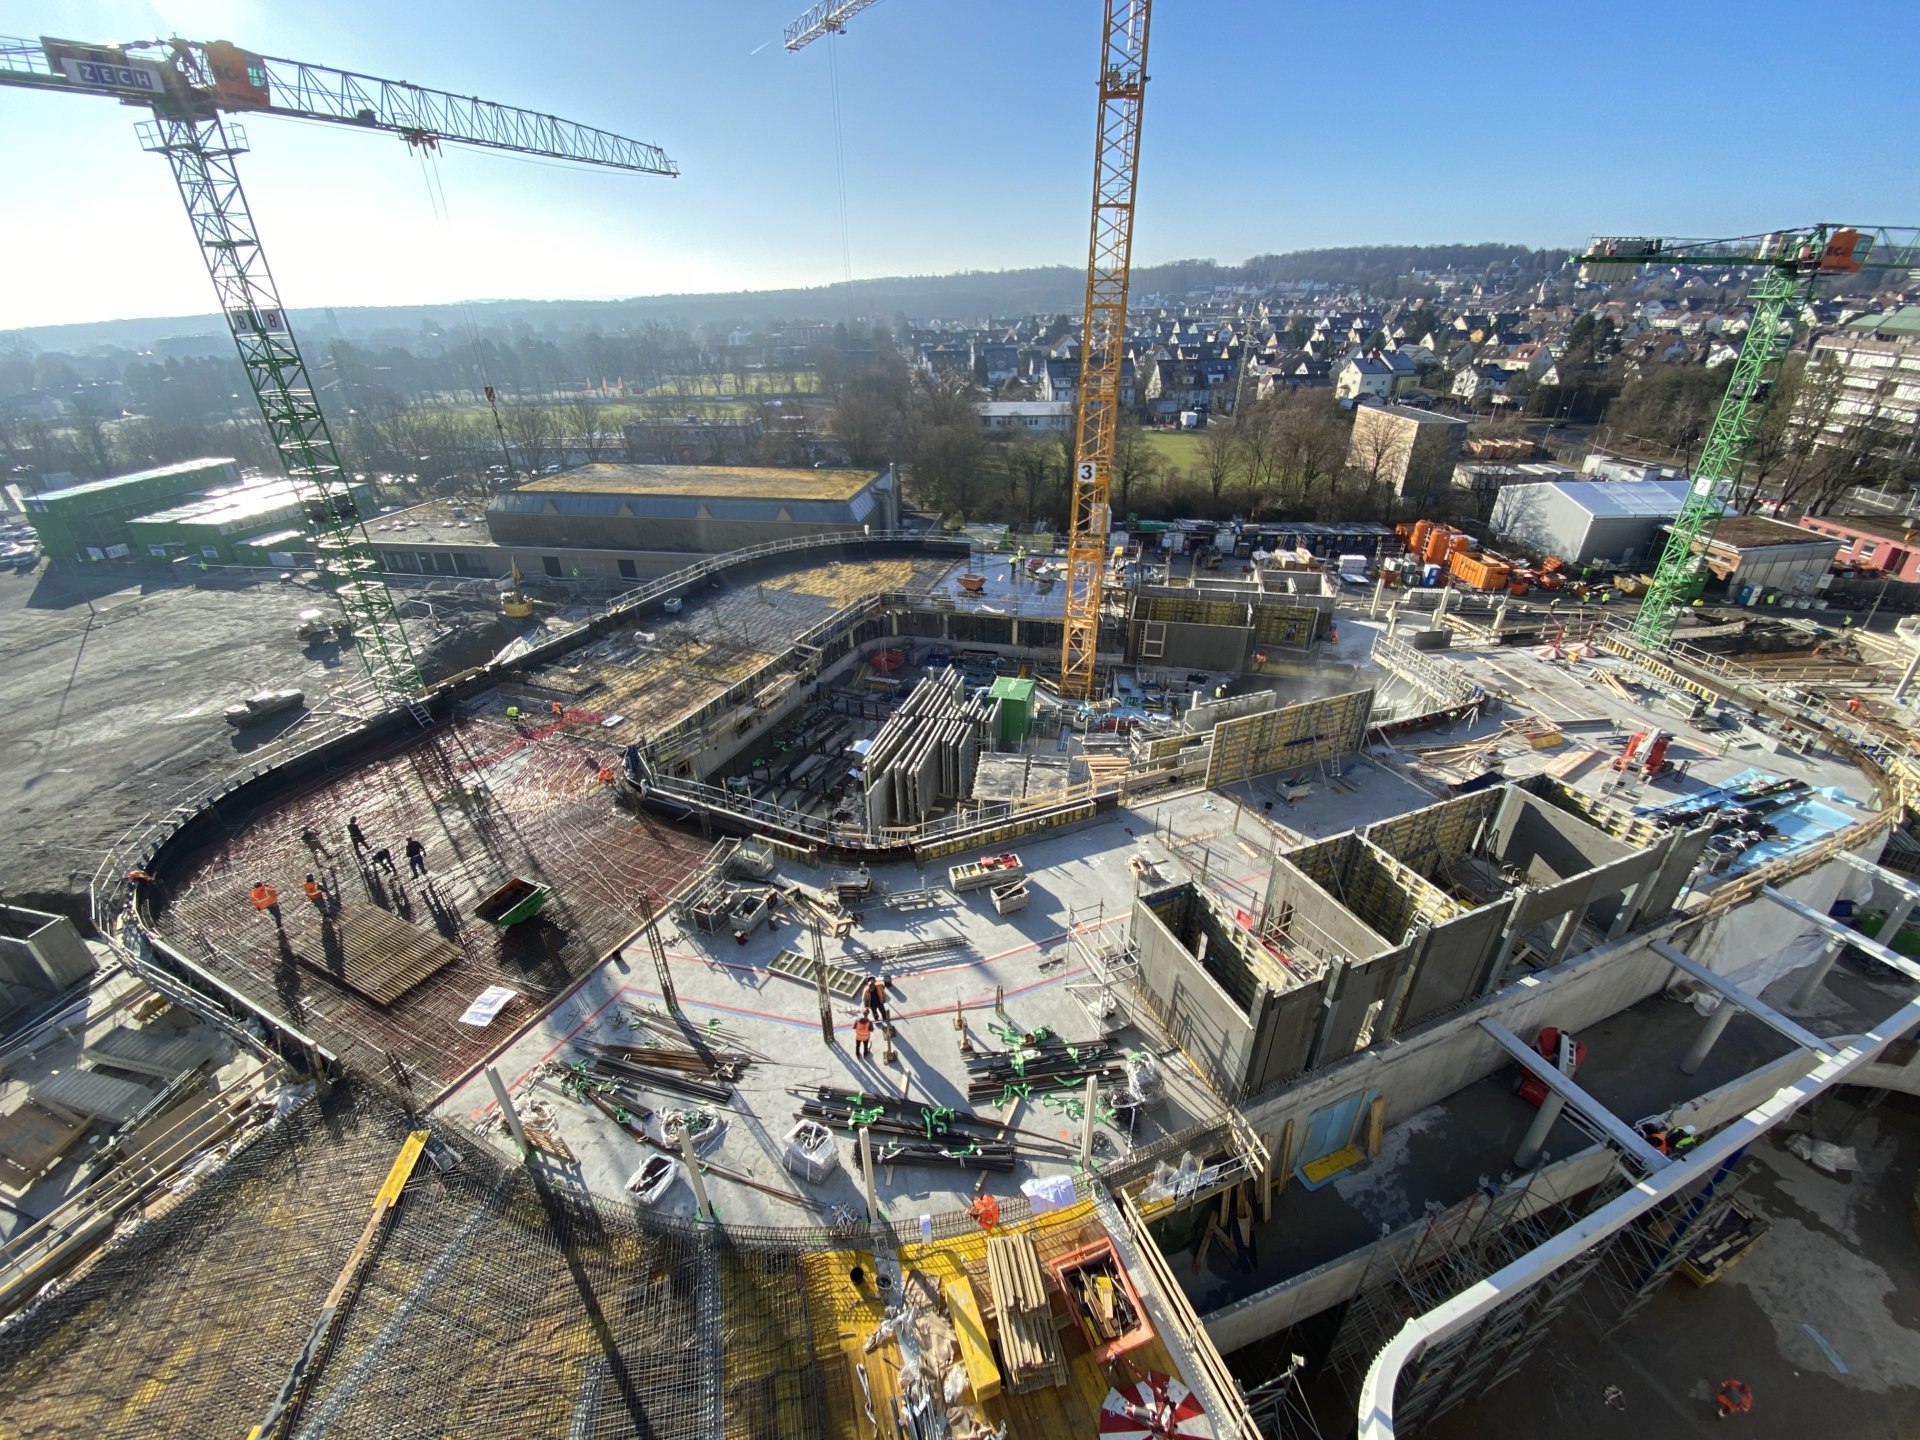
1794	262
187	85
1103	334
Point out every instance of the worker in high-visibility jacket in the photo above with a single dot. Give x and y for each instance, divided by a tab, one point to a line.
267	900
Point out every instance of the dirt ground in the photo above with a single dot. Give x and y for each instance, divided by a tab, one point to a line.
113	691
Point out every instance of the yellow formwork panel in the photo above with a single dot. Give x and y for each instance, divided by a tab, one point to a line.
840	1314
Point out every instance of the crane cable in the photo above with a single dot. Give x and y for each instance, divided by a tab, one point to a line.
429	156
840	164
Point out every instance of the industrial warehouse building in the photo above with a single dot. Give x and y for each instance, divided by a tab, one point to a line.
627	522
90	521
240	525
1581	521
697	508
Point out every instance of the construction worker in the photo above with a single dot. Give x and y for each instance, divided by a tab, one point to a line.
382	859
355	835
416	856
314	892
863	1037
267	900
1734	1397
873	998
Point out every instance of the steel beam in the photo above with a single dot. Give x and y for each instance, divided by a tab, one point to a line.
1617	1130
1866	945
1880	875
1376	1391
1733	994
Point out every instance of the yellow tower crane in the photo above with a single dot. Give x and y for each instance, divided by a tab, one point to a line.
1103	328
1103	331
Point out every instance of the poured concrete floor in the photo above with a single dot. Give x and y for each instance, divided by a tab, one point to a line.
1081	872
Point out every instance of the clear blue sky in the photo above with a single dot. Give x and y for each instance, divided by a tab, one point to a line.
968	129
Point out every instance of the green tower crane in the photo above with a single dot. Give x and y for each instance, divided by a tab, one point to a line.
1791	264
189	87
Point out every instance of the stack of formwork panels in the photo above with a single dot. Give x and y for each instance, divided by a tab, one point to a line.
926	753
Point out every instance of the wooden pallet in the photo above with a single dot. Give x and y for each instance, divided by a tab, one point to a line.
382	956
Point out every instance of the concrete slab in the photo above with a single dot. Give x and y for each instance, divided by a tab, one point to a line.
1024	956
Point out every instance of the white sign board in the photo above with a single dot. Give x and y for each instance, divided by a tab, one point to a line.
487	1005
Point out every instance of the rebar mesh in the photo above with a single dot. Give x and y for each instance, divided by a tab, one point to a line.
499	1303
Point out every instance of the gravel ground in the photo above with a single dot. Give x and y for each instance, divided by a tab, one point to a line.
113	691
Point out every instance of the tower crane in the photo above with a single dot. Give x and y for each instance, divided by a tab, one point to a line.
189	87
1793	263
1103	326
1103	330
827	18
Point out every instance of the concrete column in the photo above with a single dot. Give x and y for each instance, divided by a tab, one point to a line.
1906	680
1563	937
1393	620
1629	908
512	1116
1092	1104
1499	618
1379	591
1711	1031
866	1174
695	1179
1446	594
1817	973
1535	1140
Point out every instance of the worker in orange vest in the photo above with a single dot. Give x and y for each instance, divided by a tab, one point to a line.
267	899
863	1037
1734	1397
314	892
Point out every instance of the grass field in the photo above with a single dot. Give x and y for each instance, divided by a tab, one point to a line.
1177	449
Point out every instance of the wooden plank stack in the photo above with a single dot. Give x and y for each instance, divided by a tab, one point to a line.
1029	1345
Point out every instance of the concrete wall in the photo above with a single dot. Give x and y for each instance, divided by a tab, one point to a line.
1206	1022
1452	962
1260	1317
39	951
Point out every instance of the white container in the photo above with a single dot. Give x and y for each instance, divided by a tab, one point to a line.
810	1152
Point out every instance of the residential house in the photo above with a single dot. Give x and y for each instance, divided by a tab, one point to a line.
1059	380
1479	384
994	362
1890	550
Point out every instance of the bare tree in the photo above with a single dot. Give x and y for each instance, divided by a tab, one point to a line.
533	430
1217	462
1134	463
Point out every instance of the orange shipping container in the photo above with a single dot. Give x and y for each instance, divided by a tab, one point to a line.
1479	573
